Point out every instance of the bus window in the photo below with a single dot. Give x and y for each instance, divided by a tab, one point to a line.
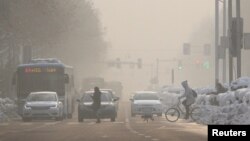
66	78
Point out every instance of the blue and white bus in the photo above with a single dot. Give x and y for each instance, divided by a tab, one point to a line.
46	75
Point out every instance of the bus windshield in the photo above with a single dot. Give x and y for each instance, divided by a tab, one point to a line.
40	82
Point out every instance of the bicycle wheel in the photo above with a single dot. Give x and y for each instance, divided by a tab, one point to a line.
195	113
172	114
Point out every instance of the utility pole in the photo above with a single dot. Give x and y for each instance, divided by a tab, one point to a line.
230	69
172	76
239	38
216	40
157	71
224	34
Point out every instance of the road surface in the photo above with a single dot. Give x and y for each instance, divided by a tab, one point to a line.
125	128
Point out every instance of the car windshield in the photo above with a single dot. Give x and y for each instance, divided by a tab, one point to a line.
146	97
42	97
88	98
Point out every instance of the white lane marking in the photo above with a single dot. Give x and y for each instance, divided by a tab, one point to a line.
91	123
4	124
118	122
162	127
127	120
30	123
72	123
155	139
141	134
134	132
51	123
147	136
105	136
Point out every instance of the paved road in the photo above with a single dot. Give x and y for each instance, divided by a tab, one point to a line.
124	129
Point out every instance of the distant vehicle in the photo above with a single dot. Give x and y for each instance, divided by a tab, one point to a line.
107	110
42	105
47	74
113	96
112	93
145	101
91	82
109	91
116	86
174	90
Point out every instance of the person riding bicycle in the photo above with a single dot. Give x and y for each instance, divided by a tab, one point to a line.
189	97
96	102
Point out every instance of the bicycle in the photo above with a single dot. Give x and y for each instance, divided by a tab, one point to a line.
173	113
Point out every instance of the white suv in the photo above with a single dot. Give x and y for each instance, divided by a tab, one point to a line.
145	100
44	104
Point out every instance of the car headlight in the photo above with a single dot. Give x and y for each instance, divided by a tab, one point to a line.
54	106
27	106
158	105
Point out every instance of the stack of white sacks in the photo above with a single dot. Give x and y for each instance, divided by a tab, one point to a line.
232	107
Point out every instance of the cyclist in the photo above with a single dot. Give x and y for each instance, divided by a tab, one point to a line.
189	97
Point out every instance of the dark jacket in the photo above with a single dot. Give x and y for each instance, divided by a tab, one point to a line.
96	100
188	94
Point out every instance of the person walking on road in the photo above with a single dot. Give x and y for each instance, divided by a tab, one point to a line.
97	103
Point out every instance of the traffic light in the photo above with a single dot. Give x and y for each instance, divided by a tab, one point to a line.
186	49
180	66
236	35
206	65
139	63
198	63
118	63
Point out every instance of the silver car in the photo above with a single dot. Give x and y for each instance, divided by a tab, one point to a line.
44	104
144	102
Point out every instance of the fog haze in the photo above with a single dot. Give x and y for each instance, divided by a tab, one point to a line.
153	29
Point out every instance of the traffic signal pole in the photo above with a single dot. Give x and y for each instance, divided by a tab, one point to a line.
224	68
239	38
230	17
216	40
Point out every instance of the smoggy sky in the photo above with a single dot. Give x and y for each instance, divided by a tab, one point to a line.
151	29
155	26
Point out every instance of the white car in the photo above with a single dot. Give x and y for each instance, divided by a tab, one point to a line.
144	101
44	104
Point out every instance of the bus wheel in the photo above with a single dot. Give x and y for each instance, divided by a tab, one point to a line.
112	119
80	119
70	116
26	119
59	118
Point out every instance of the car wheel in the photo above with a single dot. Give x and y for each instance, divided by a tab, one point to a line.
80	118
70	116
132	114
26	119
112	119
159	115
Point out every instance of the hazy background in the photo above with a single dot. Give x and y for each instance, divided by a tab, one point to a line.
87	34
151	29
